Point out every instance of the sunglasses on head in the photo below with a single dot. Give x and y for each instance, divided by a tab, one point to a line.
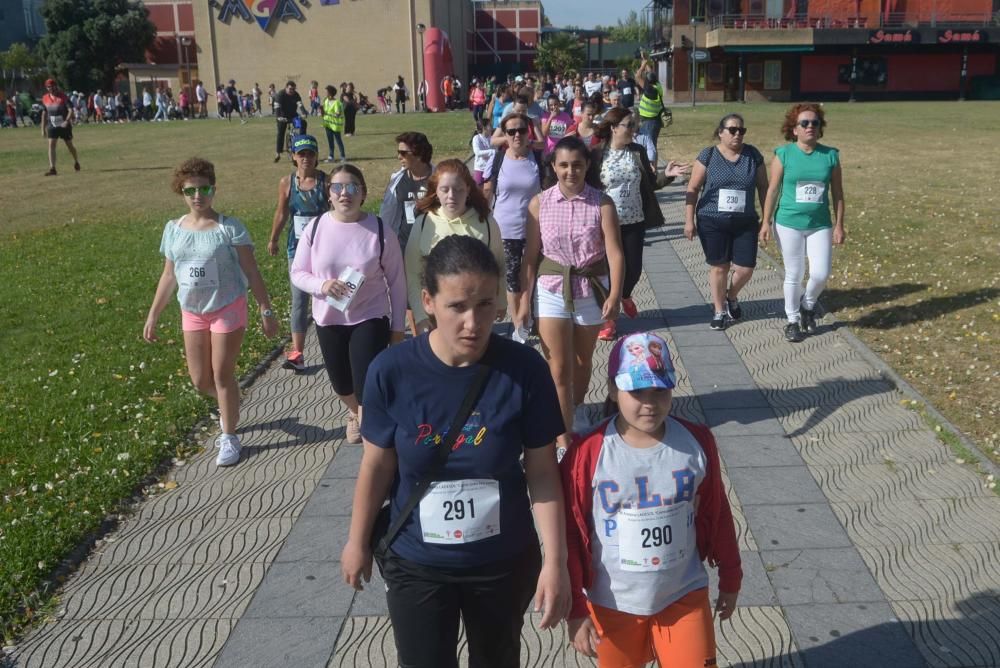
510	132
351	189
814	123
733	130
203	190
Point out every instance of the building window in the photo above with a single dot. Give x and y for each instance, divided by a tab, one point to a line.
772	75
755	72
871	72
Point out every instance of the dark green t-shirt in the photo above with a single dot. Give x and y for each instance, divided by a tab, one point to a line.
805	186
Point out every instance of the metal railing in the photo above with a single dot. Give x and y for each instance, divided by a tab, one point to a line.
829	21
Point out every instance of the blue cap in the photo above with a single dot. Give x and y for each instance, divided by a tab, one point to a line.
304	143
639	361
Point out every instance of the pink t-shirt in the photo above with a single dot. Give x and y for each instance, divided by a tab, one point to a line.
571	234
559	127
325	250
477	97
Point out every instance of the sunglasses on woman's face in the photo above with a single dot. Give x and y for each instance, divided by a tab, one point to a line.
403	153
814	123
510	132
205	191
351	189
733	130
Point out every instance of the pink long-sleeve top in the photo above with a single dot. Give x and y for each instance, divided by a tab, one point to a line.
329	246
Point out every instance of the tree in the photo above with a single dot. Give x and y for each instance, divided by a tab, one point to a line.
558	53
87	40
18	62
632	29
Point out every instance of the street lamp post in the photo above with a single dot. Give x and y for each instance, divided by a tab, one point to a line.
186	42
423	75
694	62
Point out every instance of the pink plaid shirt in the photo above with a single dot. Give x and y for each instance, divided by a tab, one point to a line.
571	234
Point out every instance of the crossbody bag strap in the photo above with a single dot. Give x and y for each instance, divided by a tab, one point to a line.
442	452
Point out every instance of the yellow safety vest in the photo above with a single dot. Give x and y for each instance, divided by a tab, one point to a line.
333	114
651	107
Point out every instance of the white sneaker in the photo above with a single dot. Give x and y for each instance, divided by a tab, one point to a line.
581	420
229	450
520	334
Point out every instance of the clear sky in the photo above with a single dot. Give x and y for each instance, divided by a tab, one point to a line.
588	13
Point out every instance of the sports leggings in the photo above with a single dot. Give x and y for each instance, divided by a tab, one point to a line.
633	238
796	246
348	350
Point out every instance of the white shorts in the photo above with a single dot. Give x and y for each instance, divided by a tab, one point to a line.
550	305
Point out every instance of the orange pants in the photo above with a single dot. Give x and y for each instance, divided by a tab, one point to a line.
679	636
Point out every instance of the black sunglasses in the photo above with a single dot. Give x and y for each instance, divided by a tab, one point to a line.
733	130
510	132
814	123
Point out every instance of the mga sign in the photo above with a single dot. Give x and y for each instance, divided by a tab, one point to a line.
265	12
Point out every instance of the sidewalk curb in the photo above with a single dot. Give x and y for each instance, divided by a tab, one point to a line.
892	376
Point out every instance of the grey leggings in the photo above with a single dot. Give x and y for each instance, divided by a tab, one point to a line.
301	309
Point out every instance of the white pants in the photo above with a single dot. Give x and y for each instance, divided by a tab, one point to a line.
796	246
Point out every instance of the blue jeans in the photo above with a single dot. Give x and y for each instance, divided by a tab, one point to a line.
651	128
332	135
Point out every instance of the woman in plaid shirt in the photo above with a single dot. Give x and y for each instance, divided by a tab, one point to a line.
573	248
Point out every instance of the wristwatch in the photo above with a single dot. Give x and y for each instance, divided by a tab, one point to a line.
267	313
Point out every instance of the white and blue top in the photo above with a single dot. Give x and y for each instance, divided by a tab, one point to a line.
206	264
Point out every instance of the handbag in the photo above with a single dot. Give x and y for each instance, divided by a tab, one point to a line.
652	215
384	532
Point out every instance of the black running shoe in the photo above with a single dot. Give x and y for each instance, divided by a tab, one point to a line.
793	334
718	322
808	320
734	309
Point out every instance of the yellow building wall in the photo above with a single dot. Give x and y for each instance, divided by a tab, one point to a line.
369	42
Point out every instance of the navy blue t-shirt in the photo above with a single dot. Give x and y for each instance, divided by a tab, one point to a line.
411	398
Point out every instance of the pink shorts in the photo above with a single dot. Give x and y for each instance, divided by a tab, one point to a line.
227	319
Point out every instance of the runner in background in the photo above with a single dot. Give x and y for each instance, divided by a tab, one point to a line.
806	180
287	104
453	205
302	196
333	123
650	101
573	247
351	264
57	123
209	260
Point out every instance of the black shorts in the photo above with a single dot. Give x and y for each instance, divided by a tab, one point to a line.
726	241
60	133
513	253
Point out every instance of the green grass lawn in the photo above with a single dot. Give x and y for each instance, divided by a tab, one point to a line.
89	409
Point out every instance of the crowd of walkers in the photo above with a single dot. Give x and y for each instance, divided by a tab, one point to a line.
476	449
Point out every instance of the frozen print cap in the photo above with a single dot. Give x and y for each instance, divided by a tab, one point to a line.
639	361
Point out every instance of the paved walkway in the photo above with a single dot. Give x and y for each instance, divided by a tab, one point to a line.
863	542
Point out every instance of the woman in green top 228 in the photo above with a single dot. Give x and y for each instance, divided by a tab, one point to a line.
806	179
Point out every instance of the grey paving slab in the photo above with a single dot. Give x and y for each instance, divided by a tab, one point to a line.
786	484
794	526
301	589
370	601
758	421
829	575
303	642
859	635
331	496
756	589
318	538
346	463
729	398
762	450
